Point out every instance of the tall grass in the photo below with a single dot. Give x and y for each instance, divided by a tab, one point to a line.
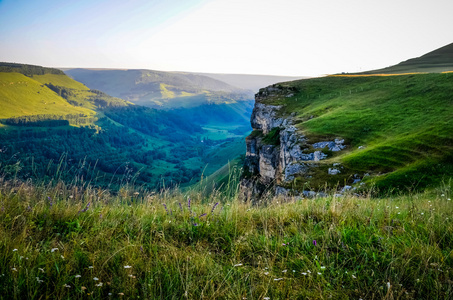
64	242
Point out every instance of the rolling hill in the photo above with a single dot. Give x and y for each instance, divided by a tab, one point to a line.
439	60
51	123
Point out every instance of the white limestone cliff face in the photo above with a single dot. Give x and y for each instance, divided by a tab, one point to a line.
269	168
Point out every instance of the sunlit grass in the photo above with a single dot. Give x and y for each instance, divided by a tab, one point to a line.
64	242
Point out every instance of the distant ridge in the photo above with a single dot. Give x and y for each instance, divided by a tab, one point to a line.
437	61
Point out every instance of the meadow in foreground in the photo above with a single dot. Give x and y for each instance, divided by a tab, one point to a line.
63	242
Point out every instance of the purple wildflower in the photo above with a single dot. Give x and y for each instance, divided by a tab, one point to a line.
202	215
195	224
50	201
180	206
141	248
86	208
188	203
215	205
165	206
314	242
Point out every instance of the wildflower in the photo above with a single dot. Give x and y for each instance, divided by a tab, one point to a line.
67	286
121	294
14	250
41	269
217	203
131	276
308	271
266	298
323	268
294	271
62	257
237	265
319	273
195	224
354	277
443	195
448	199
127	267
53	249
50	201
86	208
14	269
99	284
180	206
278	279
202	215
188	203
78	276
388	285
165	206
95	279
39	280
266	273
303	273
284	271
314	242
90	267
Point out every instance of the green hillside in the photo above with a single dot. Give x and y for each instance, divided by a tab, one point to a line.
159	89
397	128
439	60
51	124
24	96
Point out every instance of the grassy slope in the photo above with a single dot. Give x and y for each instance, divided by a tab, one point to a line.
439	60
405	123
64	242
23	96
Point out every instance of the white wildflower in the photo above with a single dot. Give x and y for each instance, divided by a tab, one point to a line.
14	269
78	276
127	267
266	273
90	267
95	279
323	268
303	273
54	249
67	285
319	273
278	279
41	269
284	271
388	285
14	250
237	265
99	284
354	277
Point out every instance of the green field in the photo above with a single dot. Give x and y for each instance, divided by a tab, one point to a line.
402	124
66	242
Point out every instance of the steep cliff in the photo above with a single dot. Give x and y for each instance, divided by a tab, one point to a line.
278	153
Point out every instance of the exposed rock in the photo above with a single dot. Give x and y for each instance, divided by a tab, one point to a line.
294	169
334	146
266	167
333	171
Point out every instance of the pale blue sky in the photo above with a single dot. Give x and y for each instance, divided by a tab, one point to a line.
281	37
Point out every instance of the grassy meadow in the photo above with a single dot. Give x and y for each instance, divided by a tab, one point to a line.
65	242
397	128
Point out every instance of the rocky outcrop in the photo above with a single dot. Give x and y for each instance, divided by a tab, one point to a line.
277	152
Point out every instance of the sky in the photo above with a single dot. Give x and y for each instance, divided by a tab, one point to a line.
274	37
